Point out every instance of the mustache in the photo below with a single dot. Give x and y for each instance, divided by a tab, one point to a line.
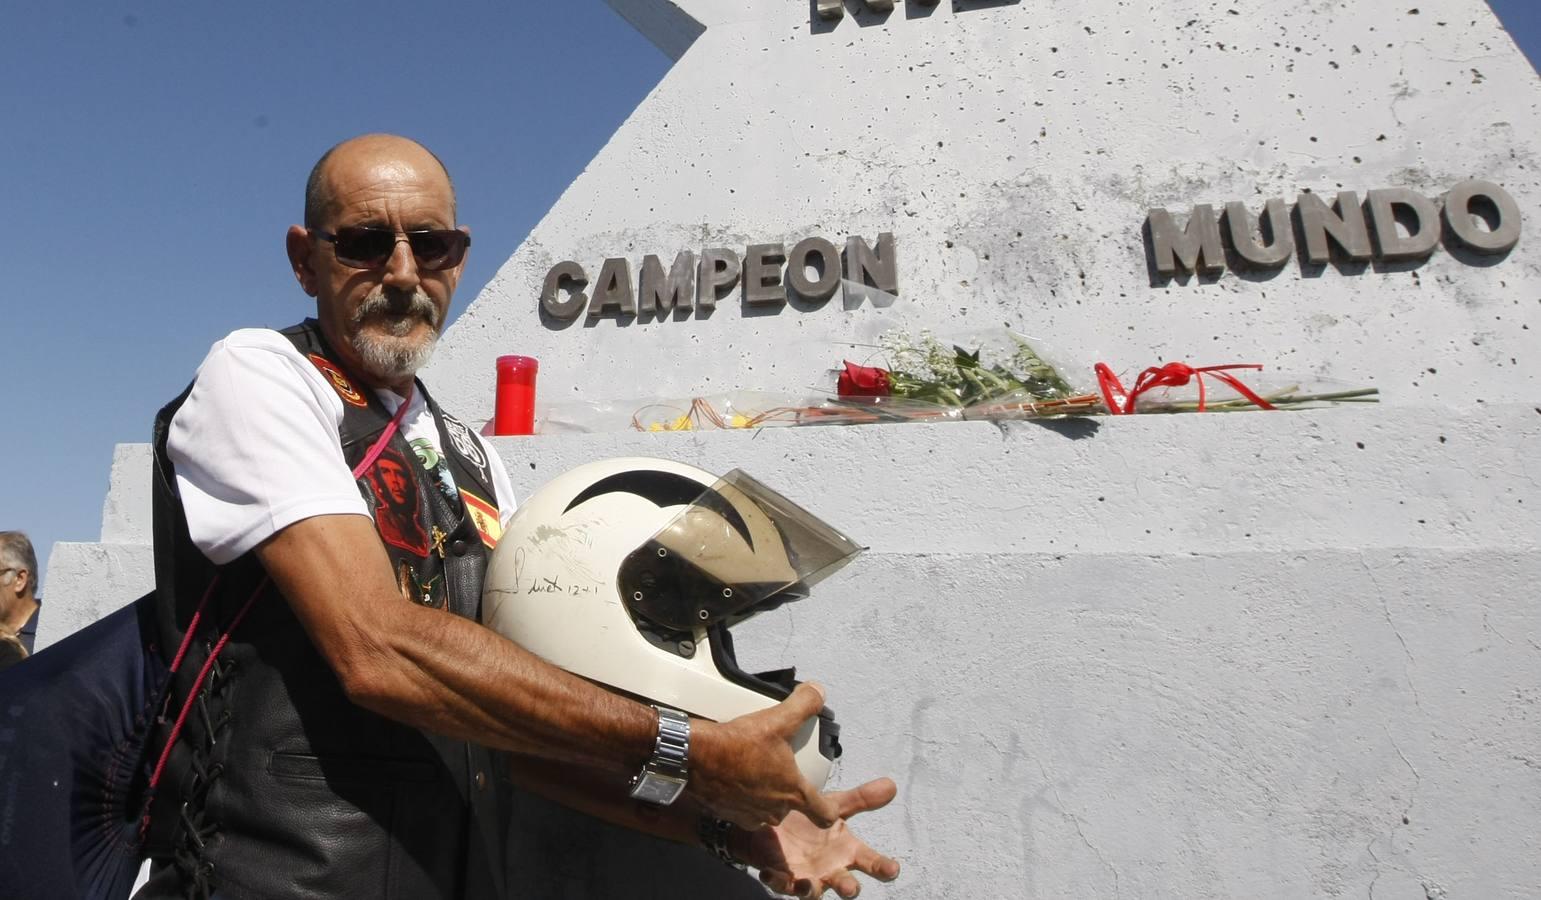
379	304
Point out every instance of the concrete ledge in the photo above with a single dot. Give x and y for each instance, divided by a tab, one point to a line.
1384	476
1424	476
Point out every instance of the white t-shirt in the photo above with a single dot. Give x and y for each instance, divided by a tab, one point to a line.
255	445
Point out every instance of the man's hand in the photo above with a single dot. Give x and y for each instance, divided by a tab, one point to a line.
801	859
744	770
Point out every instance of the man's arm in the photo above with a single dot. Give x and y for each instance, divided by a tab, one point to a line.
794	857
445	674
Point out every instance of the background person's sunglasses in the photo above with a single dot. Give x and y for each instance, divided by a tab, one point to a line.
371	248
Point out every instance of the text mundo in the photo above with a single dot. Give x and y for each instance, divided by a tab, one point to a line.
1405	226
812	270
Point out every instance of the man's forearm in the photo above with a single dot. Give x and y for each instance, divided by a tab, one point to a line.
435	670
454	677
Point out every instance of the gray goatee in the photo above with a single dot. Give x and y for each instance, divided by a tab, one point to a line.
395	357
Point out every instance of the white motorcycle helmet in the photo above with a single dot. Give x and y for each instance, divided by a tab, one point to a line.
631	573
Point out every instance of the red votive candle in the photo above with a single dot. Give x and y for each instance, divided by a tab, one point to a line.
515	409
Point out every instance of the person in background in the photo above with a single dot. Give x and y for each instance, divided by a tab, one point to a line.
19	603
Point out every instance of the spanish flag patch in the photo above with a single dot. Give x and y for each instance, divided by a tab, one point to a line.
484	516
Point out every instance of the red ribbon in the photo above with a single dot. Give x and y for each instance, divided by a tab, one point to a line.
1121	402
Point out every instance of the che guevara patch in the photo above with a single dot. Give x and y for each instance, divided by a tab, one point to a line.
345	388
398	503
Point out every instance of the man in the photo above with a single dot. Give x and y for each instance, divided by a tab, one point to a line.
332	739
19	604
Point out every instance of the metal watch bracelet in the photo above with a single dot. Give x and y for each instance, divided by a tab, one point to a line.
663	777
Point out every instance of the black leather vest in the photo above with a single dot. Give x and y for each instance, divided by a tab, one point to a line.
281	787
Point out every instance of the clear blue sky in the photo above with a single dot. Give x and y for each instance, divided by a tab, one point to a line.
154	152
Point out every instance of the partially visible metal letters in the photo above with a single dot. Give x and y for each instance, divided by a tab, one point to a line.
1391	225
719	271
1274	228
1343	225
879	269
762	275
563	274
801	258
1503	234
612	292
1195	248
835	9
1422	228
660	293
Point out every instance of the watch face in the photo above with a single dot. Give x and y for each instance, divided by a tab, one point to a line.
660	790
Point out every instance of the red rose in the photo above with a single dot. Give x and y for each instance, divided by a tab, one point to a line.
863	381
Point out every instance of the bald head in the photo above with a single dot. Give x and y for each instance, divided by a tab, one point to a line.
363	151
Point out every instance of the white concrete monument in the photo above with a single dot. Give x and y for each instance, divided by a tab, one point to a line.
1282	654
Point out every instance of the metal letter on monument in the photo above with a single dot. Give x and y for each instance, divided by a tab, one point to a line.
719	271
1196	248
880	269
1273	225
762	275
659	293
1505	231
612	292
797	269
1423	231
1346	227
565	272
831	9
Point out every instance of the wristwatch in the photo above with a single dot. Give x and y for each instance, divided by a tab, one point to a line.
663	777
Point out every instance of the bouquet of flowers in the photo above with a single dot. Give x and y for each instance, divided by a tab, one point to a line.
998	375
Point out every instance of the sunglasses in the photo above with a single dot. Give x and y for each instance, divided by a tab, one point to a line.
371	248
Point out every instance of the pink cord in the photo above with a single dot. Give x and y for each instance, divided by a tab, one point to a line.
203	673
385	437
187	639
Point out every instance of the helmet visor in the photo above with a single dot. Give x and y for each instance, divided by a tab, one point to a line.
737	549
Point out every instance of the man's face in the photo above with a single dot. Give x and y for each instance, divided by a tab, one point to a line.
395	481
13	586
383	321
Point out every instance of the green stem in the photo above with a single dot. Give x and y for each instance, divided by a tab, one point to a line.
1280	399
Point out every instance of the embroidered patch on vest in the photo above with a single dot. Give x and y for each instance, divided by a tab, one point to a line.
416	591
466	444
344	387
398	506
485	517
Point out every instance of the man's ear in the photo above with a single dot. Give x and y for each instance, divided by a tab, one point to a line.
23	582
300	247
462	265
